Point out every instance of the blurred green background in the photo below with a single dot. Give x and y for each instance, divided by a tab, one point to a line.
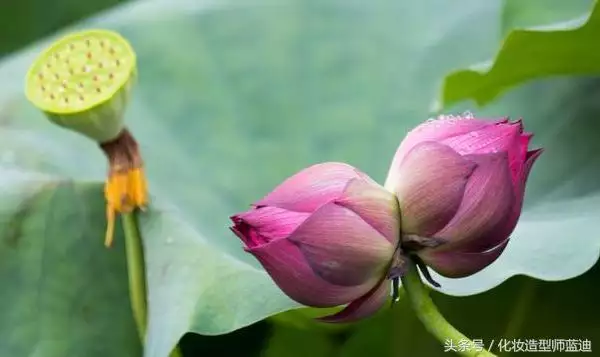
519	308
24	21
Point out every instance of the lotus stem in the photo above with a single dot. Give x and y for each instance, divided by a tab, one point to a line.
433	320
135	271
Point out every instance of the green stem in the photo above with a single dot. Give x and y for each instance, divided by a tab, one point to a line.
135	270
433	320
137	275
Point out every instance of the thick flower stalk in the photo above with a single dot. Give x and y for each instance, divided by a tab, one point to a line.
460	184
327	236
82	82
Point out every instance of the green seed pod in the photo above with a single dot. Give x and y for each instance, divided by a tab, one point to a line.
82	82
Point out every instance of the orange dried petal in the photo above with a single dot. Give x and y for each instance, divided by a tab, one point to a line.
124	192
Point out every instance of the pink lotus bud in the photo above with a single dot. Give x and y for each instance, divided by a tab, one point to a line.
460	184
326	236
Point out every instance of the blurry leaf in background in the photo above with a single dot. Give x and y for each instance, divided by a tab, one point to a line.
568	48
528	13
25	21
234	98
247	342
291	342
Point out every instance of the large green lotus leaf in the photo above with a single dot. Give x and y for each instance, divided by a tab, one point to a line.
58	292
232	99
566	48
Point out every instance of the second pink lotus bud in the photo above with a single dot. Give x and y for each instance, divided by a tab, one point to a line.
460	183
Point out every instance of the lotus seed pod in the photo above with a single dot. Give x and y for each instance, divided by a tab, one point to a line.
82	82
